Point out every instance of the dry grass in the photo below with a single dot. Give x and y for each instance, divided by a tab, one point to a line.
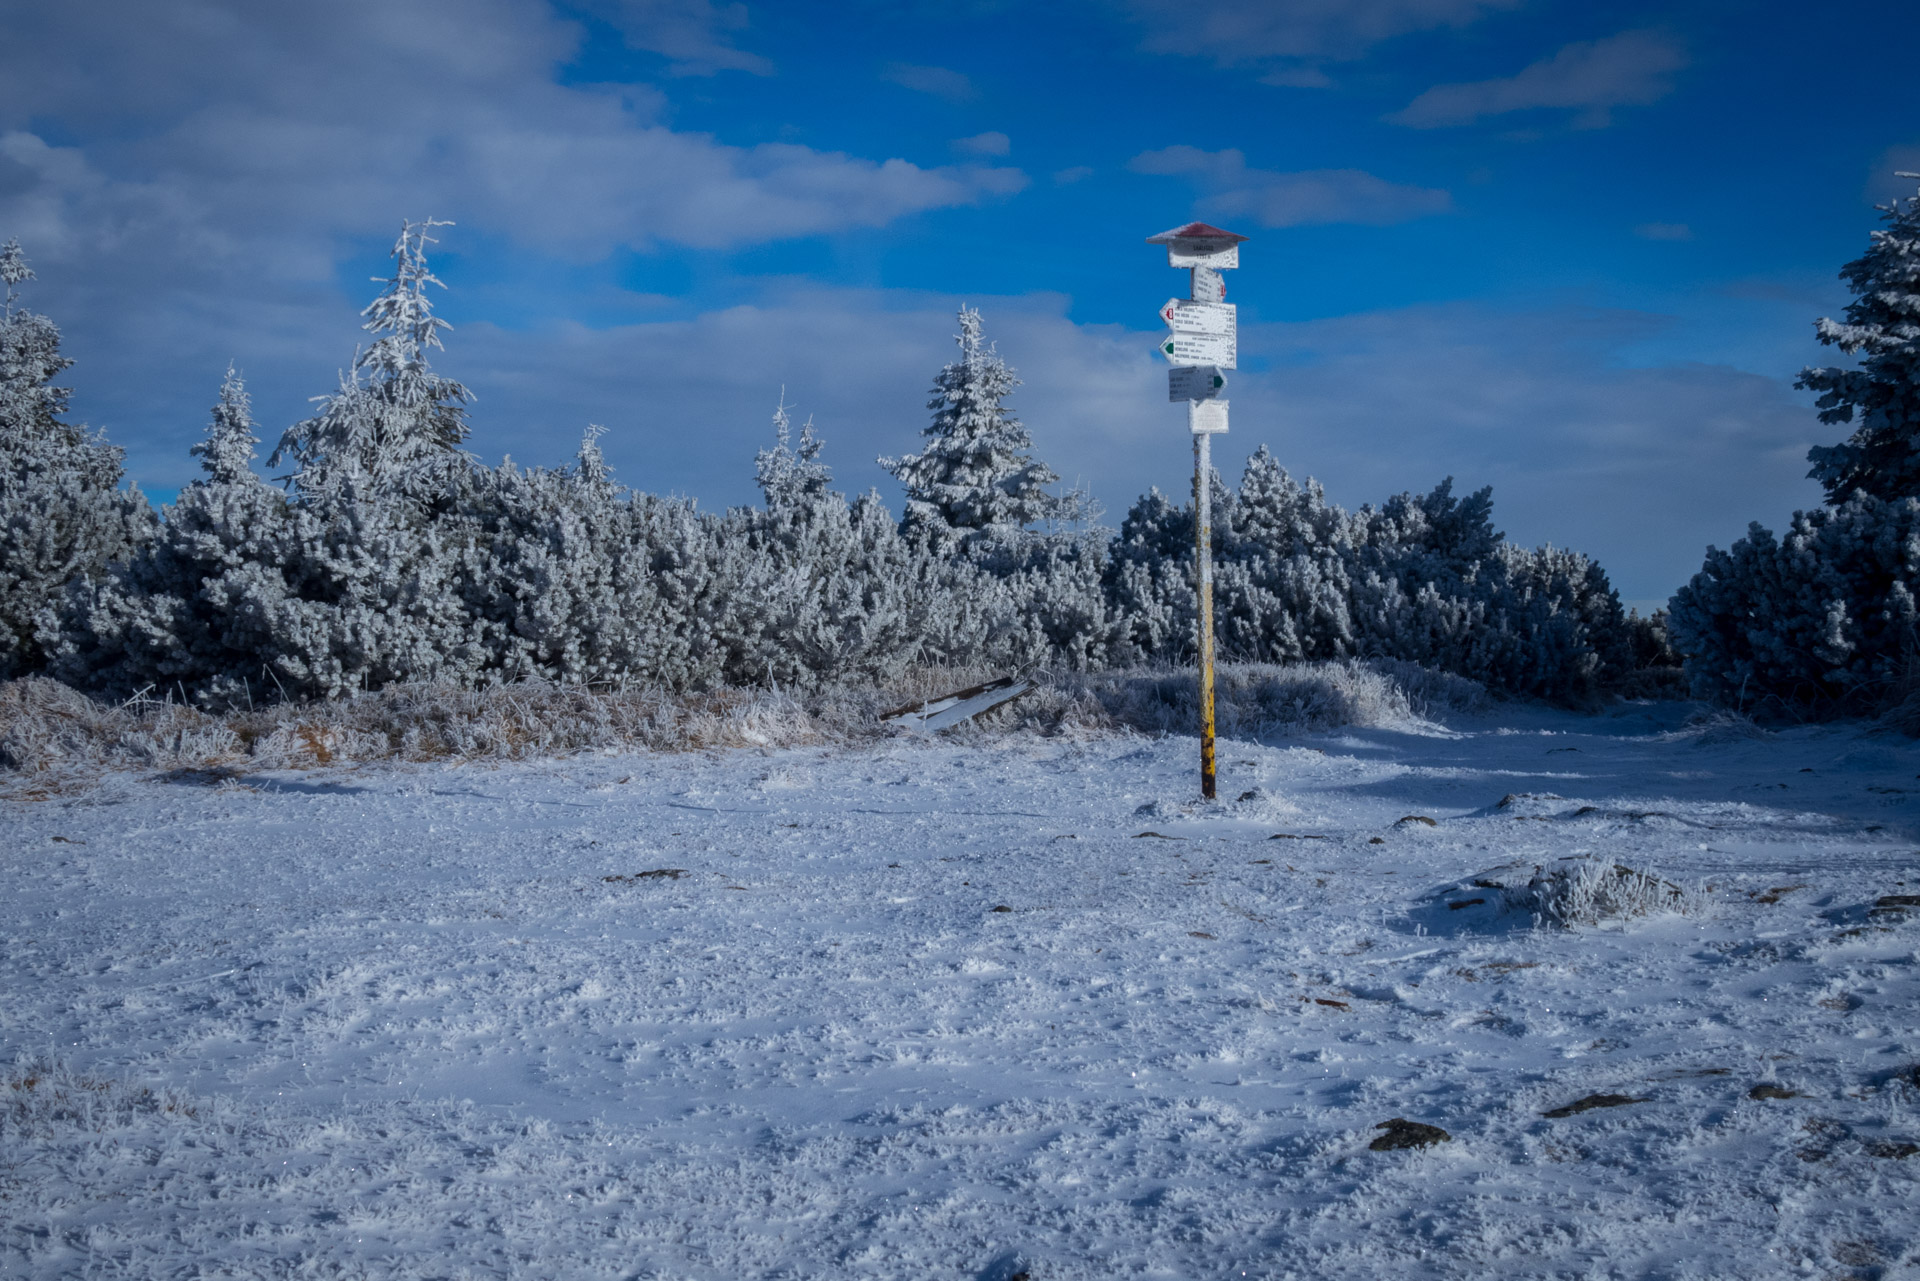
46	726
47	729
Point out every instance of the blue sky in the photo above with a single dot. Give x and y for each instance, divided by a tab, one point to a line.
1571	251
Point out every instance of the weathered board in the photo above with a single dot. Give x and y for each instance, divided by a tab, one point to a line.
1207	417
948	710
1208	285
1195	382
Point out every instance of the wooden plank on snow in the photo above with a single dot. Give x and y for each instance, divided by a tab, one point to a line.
948	710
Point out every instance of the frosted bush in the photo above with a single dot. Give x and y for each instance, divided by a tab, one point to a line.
1423	579
1259	699
1580	892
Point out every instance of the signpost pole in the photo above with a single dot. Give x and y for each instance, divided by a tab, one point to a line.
1203	341
1203	574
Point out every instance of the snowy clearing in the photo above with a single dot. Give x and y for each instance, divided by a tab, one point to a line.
972	1009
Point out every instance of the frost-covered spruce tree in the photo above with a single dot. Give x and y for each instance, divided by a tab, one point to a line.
826	592
63	515
381	480
191	610
244	595
1882	395
227	452
393	424
977	479
1821	620
350	582
558	578
790	475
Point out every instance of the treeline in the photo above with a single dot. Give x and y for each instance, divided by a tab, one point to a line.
386	553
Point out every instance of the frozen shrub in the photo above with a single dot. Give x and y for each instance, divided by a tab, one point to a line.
48	727
1579	892
1261	699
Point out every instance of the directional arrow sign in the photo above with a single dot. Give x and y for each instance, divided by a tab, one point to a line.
1187	317
1199	349
1201	383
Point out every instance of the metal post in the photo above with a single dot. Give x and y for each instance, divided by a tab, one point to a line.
1203	579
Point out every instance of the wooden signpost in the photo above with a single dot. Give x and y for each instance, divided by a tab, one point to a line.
1204	340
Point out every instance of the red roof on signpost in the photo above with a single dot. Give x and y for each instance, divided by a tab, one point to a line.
1195	231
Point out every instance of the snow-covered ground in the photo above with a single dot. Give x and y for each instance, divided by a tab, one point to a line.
972	1009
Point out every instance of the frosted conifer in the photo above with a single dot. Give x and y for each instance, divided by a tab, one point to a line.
63	515
392	419
1882	327
227	452
30	359
977	479
790	475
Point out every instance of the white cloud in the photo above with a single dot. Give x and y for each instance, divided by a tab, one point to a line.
941	82
1590	78
1274	199
1295	35
288	124
991	143
697	35
1640	465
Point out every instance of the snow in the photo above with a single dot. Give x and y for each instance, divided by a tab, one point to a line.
434	1021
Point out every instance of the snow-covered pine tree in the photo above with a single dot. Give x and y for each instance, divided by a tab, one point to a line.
824	591
63	515
1823	620
789	474
977	481
243	596
1882	327
558	578
226	454
394	425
